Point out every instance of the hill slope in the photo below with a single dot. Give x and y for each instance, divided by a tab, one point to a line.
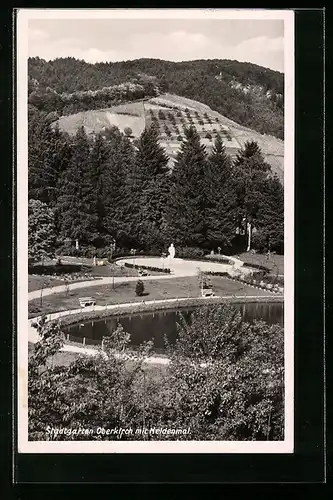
170	113
243	92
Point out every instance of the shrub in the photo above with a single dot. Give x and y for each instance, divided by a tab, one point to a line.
167	131
140	288
260	242
258	276
217	273
161	115
273	280
128	131
179	138
208	136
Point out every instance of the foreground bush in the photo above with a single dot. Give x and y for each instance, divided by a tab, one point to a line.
225	381
140	288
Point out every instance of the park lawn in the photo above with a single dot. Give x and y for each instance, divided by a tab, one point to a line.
38	282
275	262
65	358
154	290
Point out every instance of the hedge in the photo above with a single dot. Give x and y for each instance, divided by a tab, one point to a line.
148	268
58	269
220	260
217	273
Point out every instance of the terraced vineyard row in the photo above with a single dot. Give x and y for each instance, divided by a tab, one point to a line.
171	124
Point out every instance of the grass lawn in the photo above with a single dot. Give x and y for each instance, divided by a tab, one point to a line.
65	358
38	282
274	263
125	292
61	358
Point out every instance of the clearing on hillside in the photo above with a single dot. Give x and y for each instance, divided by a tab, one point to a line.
170	114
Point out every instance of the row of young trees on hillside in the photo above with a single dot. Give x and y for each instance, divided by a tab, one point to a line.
108	188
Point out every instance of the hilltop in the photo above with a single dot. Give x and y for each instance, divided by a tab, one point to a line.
170	114
245	93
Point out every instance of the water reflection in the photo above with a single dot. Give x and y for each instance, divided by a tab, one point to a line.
154	326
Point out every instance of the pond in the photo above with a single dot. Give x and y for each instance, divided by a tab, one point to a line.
154	326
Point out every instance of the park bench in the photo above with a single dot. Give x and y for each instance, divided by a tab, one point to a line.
87	301
143	272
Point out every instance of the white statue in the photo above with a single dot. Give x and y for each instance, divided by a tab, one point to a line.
171	251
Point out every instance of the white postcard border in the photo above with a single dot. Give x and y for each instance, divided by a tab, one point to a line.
26	446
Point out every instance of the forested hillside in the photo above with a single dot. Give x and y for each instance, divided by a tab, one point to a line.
107	188
246	93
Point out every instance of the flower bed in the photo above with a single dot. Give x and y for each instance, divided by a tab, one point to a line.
261	282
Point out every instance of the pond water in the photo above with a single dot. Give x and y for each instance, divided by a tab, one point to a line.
154	326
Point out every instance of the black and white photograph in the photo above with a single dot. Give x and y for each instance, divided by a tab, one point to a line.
155	188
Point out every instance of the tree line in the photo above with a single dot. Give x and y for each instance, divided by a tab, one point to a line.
207	81
108	188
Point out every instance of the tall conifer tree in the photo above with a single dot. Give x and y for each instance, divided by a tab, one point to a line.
76	205
222	197
189	198
117	192
49	156
153	180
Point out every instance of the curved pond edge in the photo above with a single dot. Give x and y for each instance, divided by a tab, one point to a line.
182	303
71	317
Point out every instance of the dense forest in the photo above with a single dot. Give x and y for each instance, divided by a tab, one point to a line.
108	188
246	93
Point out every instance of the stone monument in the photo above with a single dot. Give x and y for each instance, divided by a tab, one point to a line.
171	251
